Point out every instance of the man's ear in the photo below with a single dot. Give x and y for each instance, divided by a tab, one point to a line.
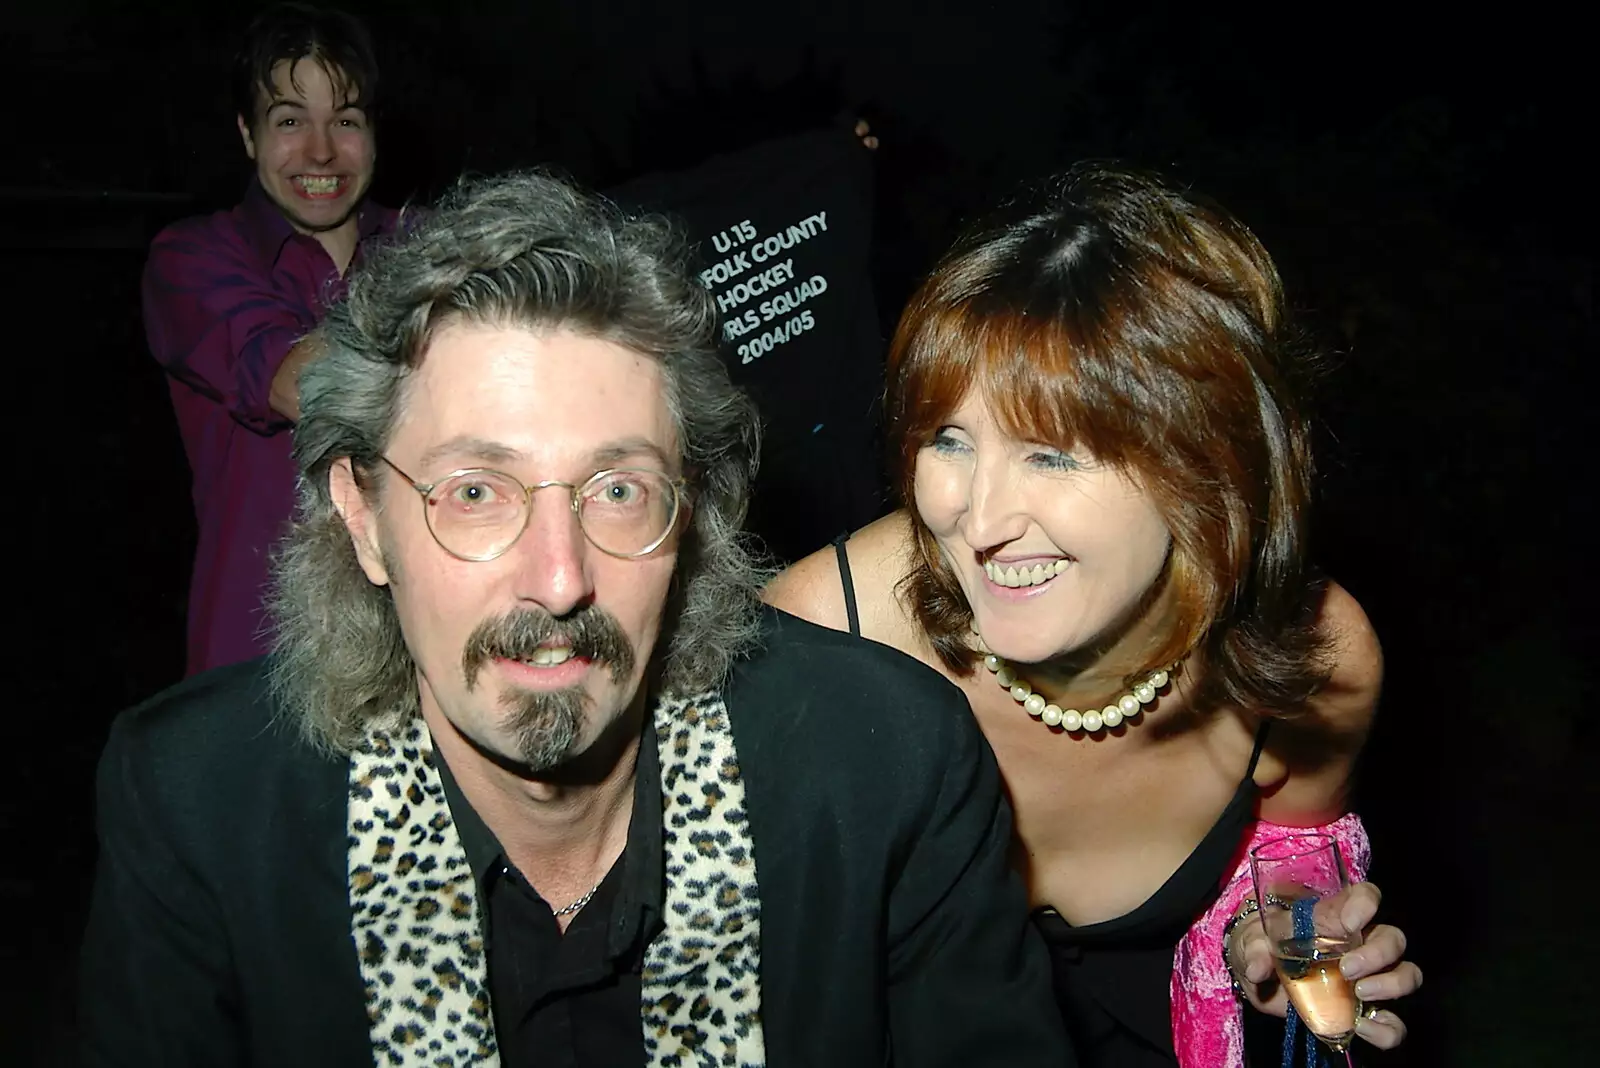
359	519
249	139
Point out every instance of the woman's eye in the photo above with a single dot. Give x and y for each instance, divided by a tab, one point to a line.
943	442
1053	460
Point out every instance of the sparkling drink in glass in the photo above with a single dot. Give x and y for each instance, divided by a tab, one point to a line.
1301	883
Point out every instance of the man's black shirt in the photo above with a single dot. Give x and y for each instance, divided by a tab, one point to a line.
569	1000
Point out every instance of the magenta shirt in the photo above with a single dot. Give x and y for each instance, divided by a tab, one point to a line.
225	298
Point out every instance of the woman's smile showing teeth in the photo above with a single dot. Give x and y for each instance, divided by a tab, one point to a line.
1015	577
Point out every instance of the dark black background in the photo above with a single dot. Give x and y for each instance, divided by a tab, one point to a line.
1418	178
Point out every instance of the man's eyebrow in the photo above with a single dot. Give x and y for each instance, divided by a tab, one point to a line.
467	447
285	102
620	453
475	450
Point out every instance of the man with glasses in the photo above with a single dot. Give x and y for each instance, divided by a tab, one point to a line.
530	776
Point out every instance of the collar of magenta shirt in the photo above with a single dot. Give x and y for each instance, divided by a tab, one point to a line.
268	230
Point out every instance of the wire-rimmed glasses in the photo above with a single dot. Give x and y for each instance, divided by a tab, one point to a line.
476	514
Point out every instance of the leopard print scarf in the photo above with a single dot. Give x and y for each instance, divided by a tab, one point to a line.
415	908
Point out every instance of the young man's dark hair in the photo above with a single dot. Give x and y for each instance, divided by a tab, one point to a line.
336	41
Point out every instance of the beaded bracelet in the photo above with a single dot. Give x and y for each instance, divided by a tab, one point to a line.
1249	907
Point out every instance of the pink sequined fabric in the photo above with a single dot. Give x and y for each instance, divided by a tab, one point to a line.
1207	1028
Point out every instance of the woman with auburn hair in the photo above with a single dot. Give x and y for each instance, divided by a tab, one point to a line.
1091	406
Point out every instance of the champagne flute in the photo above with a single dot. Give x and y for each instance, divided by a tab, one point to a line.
1301	884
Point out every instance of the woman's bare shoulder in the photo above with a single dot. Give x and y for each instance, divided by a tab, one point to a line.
879	555
1350	699
1311	759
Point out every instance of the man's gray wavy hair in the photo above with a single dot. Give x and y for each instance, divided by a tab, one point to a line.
521	250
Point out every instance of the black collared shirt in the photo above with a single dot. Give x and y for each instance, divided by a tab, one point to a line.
569	1000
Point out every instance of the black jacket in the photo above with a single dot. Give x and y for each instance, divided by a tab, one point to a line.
893	930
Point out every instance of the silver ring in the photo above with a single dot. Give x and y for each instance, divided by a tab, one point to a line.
1371	1012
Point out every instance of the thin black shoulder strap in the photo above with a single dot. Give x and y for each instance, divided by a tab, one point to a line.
850	586
1261	741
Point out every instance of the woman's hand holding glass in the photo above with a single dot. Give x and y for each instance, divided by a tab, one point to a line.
1377	965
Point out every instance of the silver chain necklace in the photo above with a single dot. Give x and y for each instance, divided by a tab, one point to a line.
582	901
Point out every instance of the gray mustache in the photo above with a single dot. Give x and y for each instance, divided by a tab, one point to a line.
590	632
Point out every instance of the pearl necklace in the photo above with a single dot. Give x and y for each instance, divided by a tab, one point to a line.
1123	708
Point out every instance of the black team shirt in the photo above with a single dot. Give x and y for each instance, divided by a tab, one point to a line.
783	233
